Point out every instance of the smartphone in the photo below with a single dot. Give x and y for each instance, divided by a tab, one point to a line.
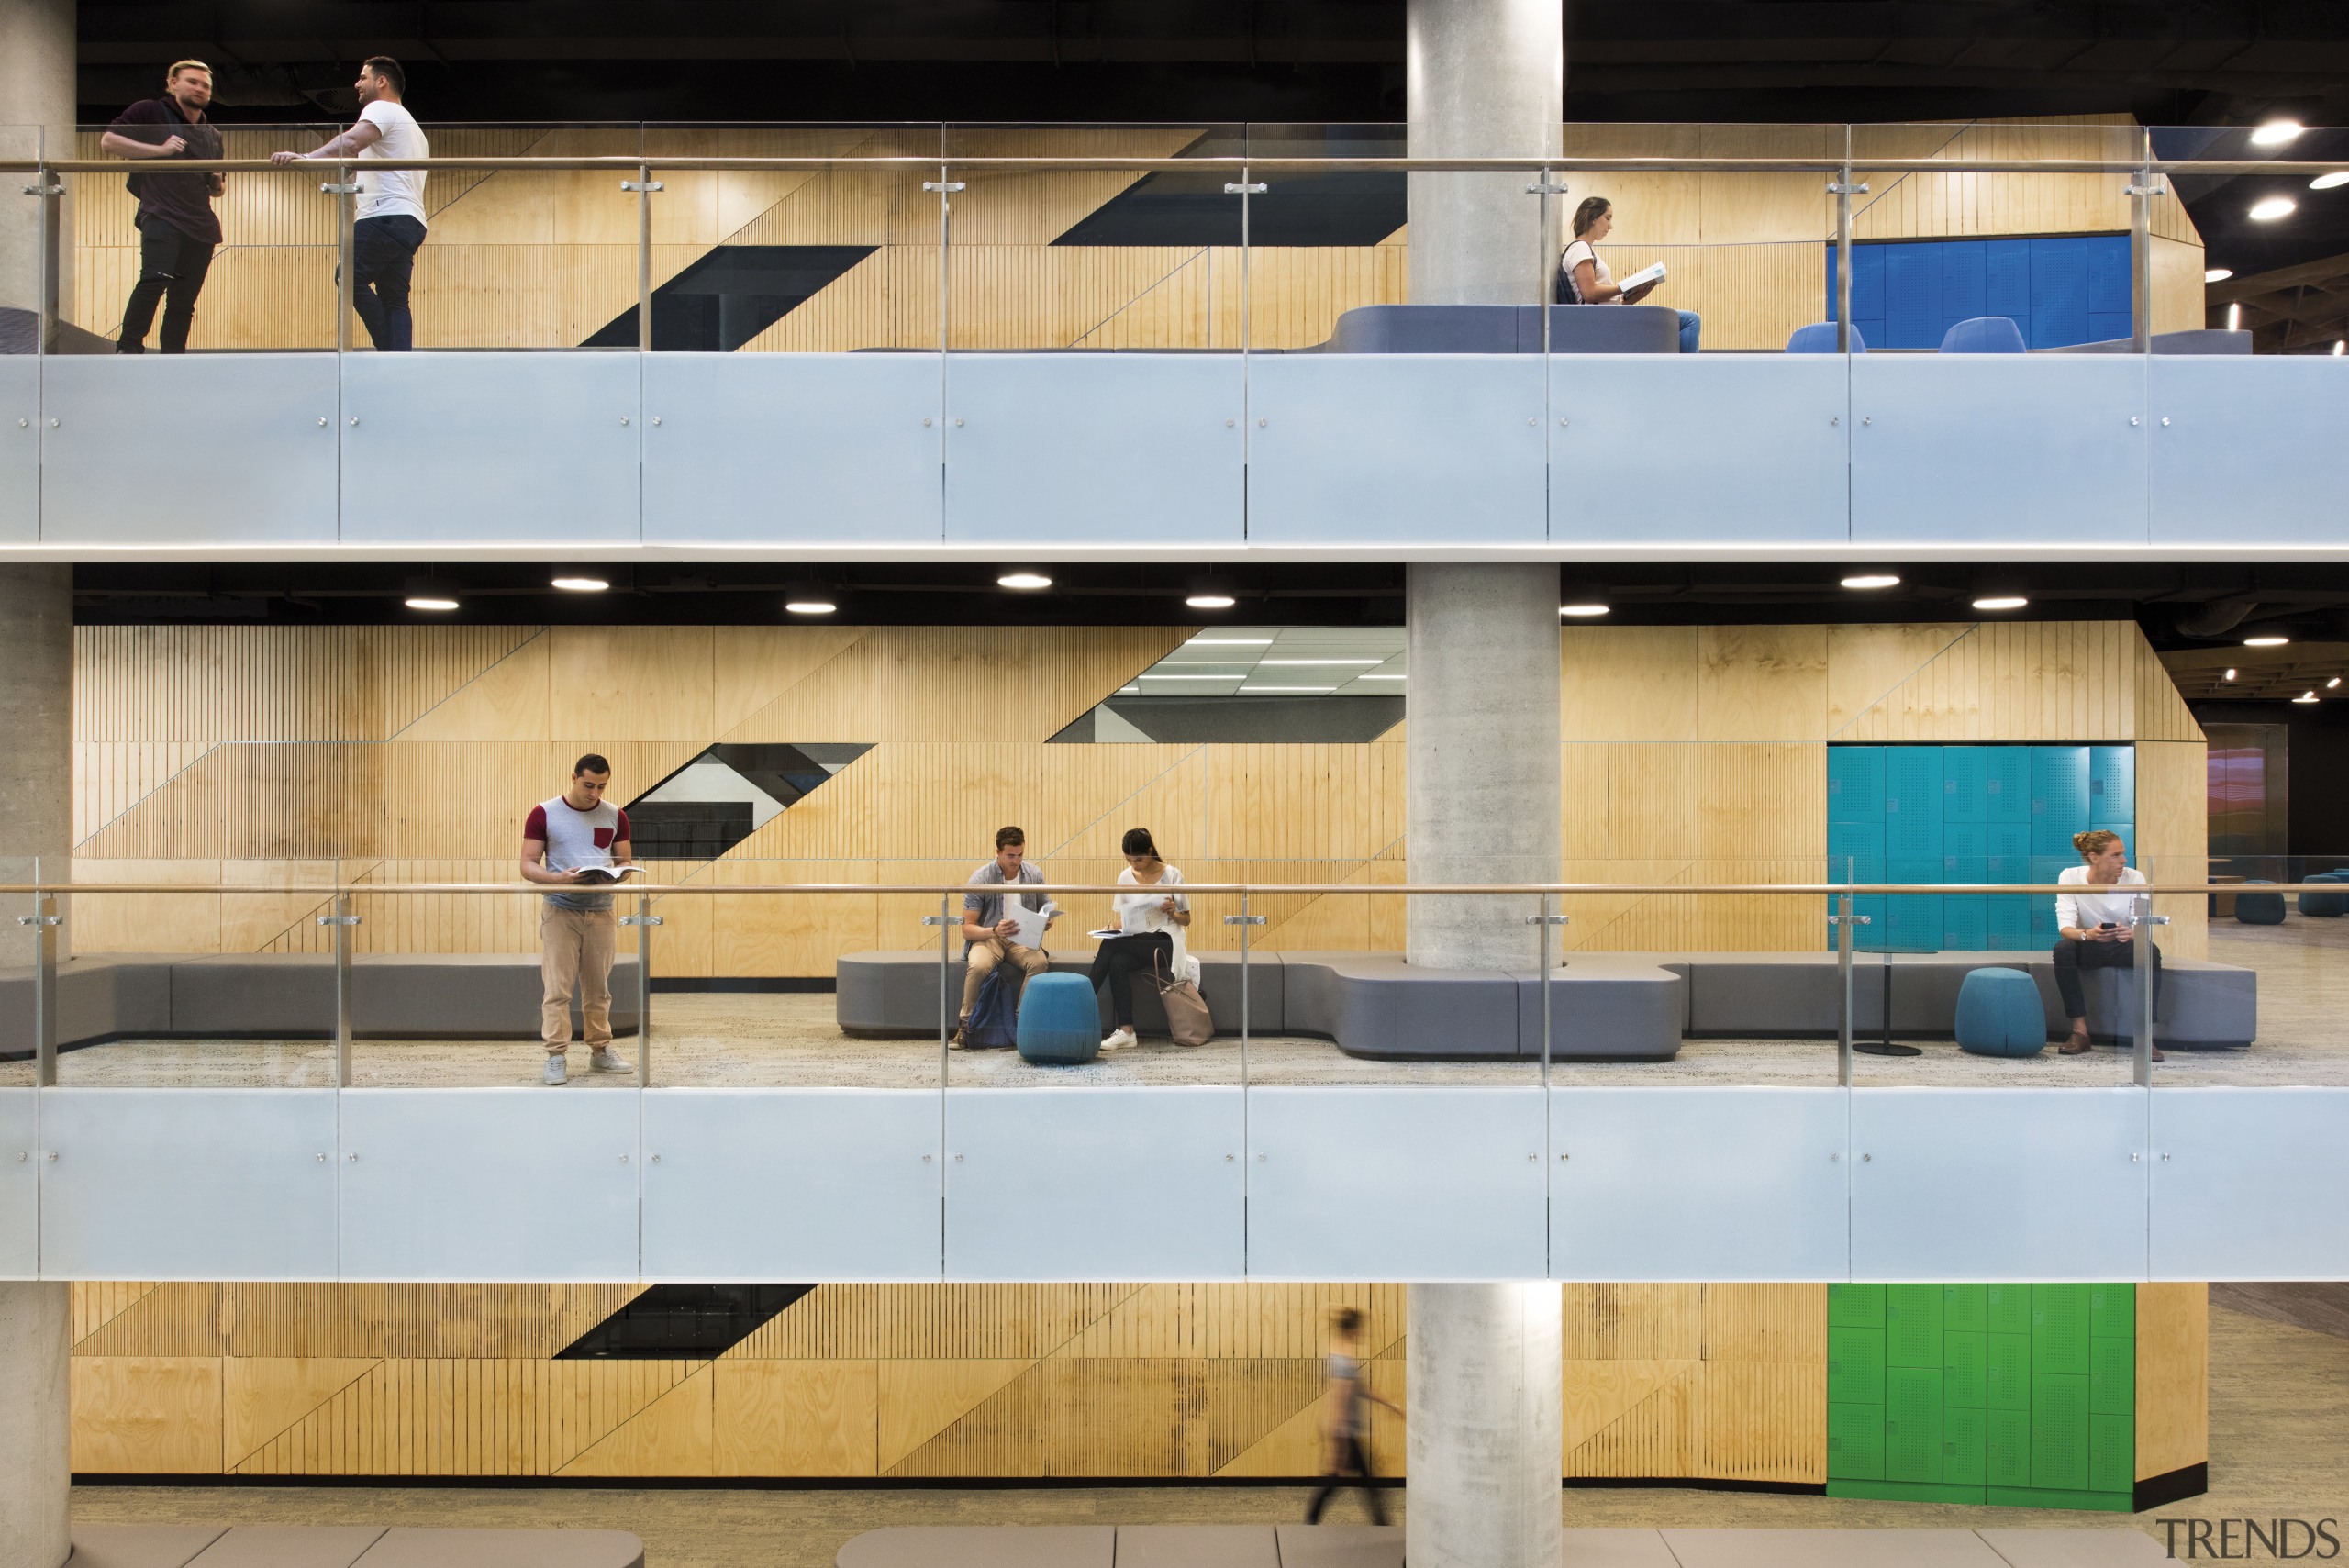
2105	927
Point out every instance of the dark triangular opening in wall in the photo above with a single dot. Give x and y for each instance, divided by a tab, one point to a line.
683	1322
730	295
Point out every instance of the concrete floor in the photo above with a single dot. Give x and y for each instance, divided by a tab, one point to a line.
2279	1429
787	1039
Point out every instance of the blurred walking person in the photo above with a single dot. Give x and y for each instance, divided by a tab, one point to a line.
1348	1450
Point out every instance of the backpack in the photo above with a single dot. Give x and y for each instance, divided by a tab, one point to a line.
995	1016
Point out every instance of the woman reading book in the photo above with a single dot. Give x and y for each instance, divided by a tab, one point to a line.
1583	278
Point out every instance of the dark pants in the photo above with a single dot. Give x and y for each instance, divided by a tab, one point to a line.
1119	958
171	273
1352	1459
2071	957
384	255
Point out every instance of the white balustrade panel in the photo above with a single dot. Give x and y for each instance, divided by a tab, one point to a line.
1699	1184
2251	1184
19	1186
791	1184
489	1185
188	1184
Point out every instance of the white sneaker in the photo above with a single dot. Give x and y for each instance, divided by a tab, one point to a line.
607	1060
1119	1040
558	1071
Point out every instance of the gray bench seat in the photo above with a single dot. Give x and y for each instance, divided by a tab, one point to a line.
104	996
1603	1006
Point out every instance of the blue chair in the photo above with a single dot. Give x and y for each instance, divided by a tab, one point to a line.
1984	335
1060	1023
2259	908
1818	338
1999	1013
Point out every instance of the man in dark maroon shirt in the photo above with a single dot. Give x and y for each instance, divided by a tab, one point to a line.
177	228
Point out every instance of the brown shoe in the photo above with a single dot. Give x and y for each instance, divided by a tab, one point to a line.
2077	1045
2157	1054
962	1040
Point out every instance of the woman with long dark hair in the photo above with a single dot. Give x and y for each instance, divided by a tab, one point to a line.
1150	931
1583	278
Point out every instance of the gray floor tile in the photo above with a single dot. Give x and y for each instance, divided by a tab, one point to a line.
290	1546
2100	1548
1197	1546
980	1546
1831	1548
140	1546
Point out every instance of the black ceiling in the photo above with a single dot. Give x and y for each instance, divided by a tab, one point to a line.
2180	607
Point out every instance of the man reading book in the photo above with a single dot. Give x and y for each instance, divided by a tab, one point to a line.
577	838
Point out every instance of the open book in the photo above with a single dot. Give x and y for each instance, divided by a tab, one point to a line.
1645	276
593	876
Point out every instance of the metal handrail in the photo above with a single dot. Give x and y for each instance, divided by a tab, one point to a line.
628	163
1252	889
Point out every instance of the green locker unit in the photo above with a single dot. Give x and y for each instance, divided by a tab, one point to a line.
2022	1395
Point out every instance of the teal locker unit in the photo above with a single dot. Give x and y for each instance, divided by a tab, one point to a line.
1965	780
2059	798
1854	785
1971	814
2112	789
2006	784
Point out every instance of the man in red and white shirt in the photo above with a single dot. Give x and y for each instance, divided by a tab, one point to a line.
577	830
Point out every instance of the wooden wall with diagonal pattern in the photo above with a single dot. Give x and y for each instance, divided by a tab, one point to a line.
264	758
894	1381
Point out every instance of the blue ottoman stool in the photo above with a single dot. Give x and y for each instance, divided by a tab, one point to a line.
2326	905
1999	1014
1060	1023
2259	908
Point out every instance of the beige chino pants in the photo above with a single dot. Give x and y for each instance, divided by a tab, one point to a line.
985	955
575	950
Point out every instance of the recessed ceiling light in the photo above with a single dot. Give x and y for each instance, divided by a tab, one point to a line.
1229	643
2265	641
426	602
2274	208
1321	662
2341	345
2333	684
1583	609
1154	675
1407	677
810	607
1210	601
2332	181
1288	688
581	584
2231	675
2217	274
2276	133
2305	696
2235	316
2000	602
1027	581
1872	580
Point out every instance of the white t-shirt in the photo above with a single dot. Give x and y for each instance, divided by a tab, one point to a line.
391	192
1577	254
1138	912
2085	911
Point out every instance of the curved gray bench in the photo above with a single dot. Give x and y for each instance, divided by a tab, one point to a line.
1502	330
270	995
1605	1005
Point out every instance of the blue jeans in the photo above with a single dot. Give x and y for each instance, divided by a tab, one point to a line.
1689	322
383	254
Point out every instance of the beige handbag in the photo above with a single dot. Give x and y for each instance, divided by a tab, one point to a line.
1187	1019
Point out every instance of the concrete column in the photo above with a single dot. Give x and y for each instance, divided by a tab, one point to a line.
1482	755
1485	1430
36	1474
38	57
36	717
1483	78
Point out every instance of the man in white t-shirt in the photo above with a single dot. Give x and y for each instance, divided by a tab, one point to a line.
390	226
576	831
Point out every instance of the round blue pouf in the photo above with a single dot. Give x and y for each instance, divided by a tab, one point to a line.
2326	905
2259	908
1060	1022
1999	1014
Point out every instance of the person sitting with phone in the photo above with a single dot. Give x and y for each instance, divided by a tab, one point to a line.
2099	927
1148	936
